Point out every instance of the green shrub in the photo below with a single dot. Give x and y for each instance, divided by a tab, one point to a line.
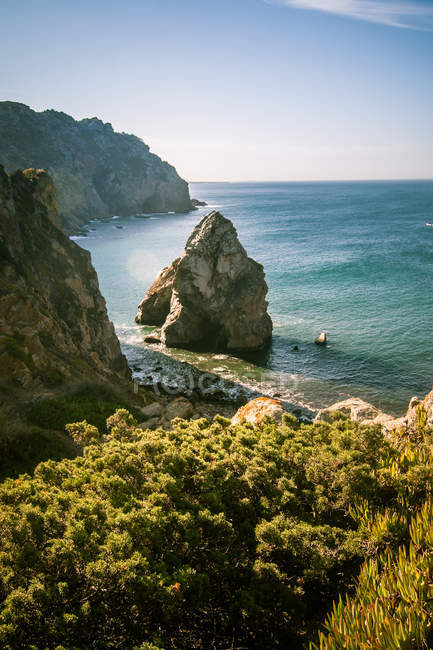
212	535
23	446
392	607
92	403
204	536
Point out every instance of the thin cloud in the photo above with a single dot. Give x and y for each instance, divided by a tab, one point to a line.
406	15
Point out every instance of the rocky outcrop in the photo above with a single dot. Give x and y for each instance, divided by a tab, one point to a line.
358	411
155	306
255	410
54	326
213	294
97	172
419	413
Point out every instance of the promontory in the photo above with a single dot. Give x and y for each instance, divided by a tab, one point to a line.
96	171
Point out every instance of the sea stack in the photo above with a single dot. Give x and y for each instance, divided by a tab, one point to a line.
214	294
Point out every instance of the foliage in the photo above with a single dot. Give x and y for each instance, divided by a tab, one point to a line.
23	446
91	403
212	535
26	442
392	607
208	535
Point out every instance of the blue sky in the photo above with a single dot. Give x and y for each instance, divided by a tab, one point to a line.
237	89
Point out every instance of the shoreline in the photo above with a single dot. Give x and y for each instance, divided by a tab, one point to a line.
169	377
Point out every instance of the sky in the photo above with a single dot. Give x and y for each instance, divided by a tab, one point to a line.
237	90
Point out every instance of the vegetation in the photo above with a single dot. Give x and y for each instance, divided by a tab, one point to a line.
91	403
40	433
213	535
392	607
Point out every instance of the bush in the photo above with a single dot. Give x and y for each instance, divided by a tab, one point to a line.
392	607
208	535
92	403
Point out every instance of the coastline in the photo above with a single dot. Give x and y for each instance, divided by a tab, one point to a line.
169	377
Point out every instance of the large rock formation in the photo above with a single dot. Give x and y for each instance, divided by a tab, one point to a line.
214	292
54	326
97	172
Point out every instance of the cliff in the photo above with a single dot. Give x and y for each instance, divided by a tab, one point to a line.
214	294
97	172
54	327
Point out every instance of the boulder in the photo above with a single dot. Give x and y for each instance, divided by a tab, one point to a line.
153	337
179	408
257	409
152	423
214	294
198	204
153	410
358	411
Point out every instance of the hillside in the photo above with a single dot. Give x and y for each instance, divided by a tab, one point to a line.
97	172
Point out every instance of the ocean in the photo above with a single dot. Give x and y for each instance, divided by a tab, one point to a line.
354	259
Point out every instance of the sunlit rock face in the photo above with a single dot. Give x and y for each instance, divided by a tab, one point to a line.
214	294
96	171
255	410
54	326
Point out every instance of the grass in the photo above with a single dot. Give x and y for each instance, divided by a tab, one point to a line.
92	403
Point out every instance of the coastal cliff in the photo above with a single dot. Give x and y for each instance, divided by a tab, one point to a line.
54	326
214	294
96	171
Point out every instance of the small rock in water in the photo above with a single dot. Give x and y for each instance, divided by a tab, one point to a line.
296	348
321	339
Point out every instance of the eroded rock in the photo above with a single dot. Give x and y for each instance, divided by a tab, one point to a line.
214	293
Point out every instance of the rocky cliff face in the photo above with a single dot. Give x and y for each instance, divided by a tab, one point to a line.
97	172
214	292
54	326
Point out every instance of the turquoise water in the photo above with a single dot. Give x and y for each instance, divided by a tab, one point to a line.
353	259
